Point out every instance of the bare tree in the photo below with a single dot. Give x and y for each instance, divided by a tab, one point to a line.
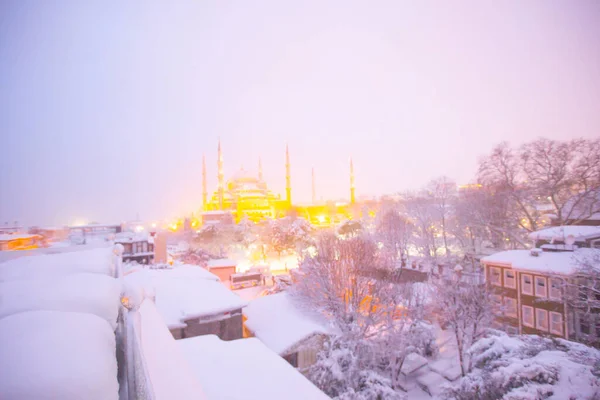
393	230
562	172
422	214
443	196
467	310
545	177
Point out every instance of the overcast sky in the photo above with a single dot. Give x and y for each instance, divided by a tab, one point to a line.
107	107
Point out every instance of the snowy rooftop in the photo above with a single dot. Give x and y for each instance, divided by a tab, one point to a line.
279	324
5	237
244	369
579	233
89	293
96	261
564	263
58	355
221	263
216	212
185	292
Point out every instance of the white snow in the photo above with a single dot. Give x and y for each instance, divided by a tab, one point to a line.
170	374
89	293
580	233
221	263
184	293
531	367
279	324
57	355
98	260
13	236
245	369
564	263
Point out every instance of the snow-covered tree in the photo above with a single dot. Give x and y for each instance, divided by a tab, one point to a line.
378	323
467	310
528	367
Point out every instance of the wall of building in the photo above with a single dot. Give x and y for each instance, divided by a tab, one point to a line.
229	328
224	273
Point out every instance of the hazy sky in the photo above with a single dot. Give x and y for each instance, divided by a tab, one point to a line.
107	107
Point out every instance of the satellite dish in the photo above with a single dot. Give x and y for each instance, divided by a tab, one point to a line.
570	240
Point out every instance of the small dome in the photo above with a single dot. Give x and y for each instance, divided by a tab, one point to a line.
243	176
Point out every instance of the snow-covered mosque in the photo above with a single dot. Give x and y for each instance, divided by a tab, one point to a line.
246	195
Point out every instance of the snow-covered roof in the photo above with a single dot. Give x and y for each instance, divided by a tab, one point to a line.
6	237
280	324
171	376
89	293
579	233
131	237
185	293
222	263
49	265
216	212
244	369
564	263
57	355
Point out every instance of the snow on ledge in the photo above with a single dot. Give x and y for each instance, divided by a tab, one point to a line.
57	355
245	369
170	374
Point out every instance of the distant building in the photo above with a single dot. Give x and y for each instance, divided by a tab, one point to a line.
19	241
223	268
136	248
246	195
536	287
217	218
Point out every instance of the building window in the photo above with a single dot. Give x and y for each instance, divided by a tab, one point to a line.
541	288
526	284
509	279
555	285
495	276
584	325
556	323
527	316
541	319
510	307
497	303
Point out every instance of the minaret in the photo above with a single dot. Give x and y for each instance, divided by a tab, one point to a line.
352	195
220	176
288	179
314	190
204	190
260	174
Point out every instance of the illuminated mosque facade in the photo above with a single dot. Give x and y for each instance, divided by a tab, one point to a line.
246	195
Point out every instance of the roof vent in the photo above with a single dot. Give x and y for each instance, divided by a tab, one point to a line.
536	252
